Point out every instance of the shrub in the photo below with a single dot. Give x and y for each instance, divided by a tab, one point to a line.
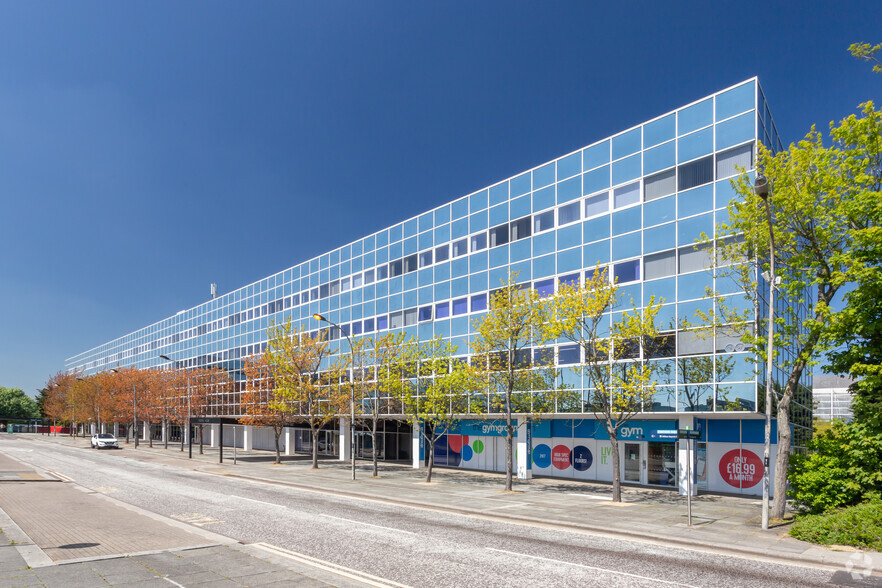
860	526
841	468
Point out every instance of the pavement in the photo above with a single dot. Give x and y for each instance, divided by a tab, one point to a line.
56	533
720	523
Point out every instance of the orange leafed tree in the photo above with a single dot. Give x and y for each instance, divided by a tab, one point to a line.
261	404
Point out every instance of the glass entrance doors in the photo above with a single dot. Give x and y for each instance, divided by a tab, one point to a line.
633	463
662	464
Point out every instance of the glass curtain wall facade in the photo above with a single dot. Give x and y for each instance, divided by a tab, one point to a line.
635	202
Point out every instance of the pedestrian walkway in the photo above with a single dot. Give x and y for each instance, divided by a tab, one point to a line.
54	533
729	524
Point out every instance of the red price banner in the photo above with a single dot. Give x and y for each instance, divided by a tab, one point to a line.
741	468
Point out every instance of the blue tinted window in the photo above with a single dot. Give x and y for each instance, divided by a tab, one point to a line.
382	323
569	237
696	116
520	185
595	155
425	313
690	230
659	158
735	131
659	131
659	238
543	198
569	189
498	214
596	253
569	260
695	201
479	302
569	280
543	176
627	246
544	288
478	201
478	221
520	206
543	221
625	221
460	306
368	325
695	145
569	166
695	285
736	101
595	180
543	244
442	215
626	169
626	143
627	271
664	288
568	354
459	209
442	310
499	193
595	229
543	266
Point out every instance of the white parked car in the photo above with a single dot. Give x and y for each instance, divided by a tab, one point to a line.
104	440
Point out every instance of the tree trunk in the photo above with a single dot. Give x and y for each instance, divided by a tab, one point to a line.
150	428
165	433
182	438
314	433
509	440
374	443
278	432
430	437
127	432
617	474
200	439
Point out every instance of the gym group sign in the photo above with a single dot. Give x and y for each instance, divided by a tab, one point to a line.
741	468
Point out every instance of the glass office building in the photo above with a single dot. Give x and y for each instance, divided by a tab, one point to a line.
635	202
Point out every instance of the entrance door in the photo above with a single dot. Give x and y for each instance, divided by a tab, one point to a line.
633	463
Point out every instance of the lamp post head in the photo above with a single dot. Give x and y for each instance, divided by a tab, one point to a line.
114	370
319	317
165	357
761	187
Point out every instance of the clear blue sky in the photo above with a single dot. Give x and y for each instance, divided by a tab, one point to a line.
149	149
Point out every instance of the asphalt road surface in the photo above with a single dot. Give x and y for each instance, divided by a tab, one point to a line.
411	546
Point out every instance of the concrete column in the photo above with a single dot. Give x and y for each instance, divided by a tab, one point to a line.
145	430
686	457
524	444
164	431
345	442
247	437
214	436
419	446
288	435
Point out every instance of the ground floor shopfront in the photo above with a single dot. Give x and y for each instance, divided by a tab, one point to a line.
727	456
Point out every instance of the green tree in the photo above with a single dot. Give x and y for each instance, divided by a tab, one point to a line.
516	322
15	404
304	380
619	381
840	469
822	200
433	387
867	52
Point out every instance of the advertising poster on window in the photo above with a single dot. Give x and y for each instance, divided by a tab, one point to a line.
701	466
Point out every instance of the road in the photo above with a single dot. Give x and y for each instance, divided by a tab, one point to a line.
410	546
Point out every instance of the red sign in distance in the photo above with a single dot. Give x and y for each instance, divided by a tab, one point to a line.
560	457
741	468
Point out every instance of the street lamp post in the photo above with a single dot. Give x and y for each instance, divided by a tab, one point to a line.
134	404
319	317
762	189
178	368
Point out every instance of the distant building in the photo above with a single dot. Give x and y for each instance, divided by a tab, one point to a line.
635	202
831	398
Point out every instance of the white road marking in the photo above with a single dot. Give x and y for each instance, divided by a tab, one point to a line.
172	582
362	577
368	524
507	506
258	501
578	565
